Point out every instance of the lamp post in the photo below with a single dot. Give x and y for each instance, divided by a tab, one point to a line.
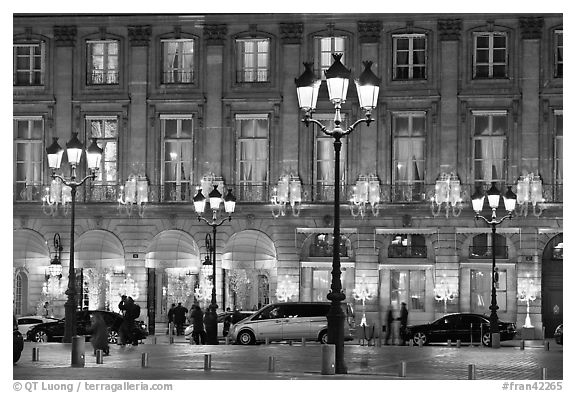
307	86
215	198
74	149
510	204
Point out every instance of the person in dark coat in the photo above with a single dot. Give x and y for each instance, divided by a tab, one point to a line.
403	322
237	316
198	332
227	322
126	328
170	318
99	330
180	318
389	323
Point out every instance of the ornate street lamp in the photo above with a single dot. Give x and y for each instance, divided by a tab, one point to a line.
215	198
493	201
74	149
307	87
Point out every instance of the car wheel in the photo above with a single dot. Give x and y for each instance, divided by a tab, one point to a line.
112	336
246	337
323	338
486	339
420	337
40	336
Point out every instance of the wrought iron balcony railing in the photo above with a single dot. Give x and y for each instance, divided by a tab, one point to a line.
485	252
398	251
262	193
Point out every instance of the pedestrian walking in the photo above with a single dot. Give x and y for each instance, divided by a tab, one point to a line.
131	312
99	331
171	319
180	318
122	304
403	323
237	316
198	332
389	324
227	322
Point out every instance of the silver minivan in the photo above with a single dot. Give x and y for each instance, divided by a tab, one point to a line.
289	321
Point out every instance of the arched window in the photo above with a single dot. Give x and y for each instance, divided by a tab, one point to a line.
482	247
263	290
408	246
20	293
322	246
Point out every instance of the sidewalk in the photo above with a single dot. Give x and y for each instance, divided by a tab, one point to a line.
181	360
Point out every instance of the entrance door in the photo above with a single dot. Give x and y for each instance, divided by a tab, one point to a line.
552	287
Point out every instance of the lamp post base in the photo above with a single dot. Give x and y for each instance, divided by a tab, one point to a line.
495	337
336	319
211	323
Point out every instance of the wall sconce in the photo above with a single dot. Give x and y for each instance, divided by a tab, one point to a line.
443	293
288	191
527	292
134	193
362	292
529	190
366	191
56	193
286	289
447	194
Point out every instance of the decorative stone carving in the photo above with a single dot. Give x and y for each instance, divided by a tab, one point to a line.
139	35
215	34
531	27
65	35
369	31
291	33
450	29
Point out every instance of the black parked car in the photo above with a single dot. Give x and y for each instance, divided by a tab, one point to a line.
558	334
17	341
54	331
466	327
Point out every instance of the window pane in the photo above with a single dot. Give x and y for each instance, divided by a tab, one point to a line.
499	55
482	42
402	43
402	58
499	41
482	56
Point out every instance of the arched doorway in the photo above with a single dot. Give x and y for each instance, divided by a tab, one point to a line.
552	287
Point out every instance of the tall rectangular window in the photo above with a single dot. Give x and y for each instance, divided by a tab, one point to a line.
177	156
481	290
103	62
324	47
105	130
408	286
324	164
252	157
178	61
409	56
253	60
489	136
558	54
409	155
321	281
558	154
490	59
28	154
29	63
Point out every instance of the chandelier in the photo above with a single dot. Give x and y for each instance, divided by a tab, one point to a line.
129	287
56	194
288	191
362	292
286	289
527	292
134	194
529	191
365	192
444	293
447	195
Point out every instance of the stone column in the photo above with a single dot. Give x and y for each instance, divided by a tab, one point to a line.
447	132
64	45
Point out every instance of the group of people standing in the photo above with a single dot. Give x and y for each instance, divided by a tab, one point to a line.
403	319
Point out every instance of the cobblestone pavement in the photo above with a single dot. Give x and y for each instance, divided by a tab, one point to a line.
182	361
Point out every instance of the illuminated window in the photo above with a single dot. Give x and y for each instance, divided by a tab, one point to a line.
408	286
103	62
177	157
253	60
481	290
178	61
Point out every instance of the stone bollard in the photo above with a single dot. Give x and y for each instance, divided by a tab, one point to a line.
99	356
267	341
144	360
449	343
402	372
78	359
271	364
35	354
207	362
328	356
458	343
544	373
303	341
471	371
547	345
155	340
522	345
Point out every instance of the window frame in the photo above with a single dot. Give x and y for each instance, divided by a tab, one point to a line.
490	63
395	294
319	66
558	63
242	55
100	181
505	156
90	78
31	71
324	188
178	182
193	69
37	143
410	65
501	294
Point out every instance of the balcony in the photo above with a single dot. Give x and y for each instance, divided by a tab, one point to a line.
485	252
398	251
